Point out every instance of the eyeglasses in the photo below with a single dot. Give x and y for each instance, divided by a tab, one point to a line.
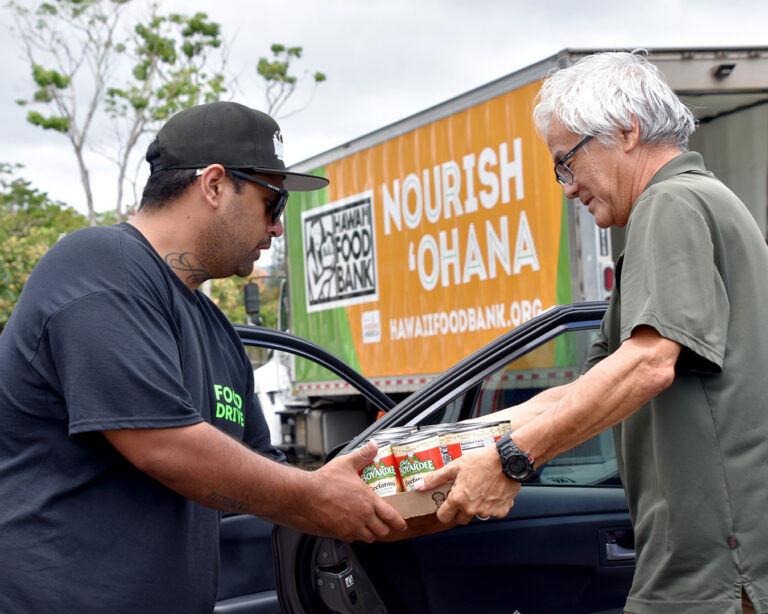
564	174
278	206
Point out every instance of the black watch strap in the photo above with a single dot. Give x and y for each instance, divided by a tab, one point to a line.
515	463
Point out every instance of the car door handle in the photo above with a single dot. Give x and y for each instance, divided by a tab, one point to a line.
614	552
619	543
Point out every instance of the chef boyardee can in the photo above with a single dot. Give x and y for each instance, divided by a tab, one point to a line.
439	429
476	438
466	438
381	474
415	456
500	429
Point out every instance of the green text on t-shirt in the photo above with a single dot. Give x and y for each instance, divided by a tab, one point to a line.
229	404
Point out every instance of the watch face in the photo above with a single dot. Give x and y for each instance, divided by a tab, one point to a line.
517	465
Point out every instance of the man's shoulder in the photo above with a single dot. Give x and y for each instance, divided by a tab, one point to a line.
686	177
96	247
88	243
691	191
99	235
97	259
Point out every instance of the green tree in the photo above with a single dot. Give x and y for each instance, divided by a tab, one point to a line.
30	223
170	55
280	84
71	47
76	52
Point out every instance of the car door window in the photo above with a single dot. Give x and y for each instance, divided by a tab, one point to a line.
556	362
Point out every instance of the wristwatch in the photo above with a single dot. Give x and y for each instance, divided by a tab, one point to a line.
516	464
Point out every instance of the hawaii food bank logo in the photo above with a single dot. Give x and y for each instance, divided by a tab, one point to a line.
340	253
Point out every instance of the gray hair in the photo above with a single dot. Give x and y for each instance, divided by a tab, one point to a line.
602	93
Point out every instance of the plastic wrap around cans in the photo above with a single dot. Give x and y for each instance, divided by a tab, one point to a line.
381	474
436	428
393	433
466	438
415	456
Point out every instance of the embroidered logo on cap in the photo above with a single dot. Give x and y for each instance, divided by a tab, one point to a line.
277	139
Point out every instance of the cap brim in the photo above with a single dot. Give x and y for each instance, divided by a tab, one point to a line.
296	182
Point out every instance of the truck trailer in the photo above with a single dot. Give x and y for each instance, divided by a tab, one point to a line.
440	232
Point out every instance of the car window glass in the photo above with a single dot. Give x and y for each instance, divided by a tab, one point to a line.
451	412
556	362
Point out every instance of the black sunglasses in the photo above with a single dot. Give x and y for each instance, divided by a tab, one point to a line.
564	174
282	199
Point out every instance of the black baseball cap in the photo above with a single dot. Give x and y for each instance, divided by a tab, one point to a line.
230	134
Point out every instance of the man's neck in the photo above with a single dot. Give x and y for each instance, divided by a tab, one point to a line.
173	238
650	160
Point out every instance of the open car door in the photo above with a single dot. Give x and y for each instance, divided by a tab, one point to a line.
247	578
566	545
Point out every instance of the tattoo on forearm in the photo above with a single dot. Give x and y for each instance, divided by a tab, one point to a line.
232	505
187	263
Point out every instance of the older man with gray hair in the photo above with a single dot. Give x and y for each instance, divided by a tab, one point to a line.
677	369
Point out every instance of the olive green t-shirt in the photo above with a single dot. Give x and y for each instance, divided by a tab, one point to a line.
694	460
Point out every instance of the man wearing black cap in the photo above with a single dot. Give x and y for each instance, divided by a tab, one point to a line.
126	396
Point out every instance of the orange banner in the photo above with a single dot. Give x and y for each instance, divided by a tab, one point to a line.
449	236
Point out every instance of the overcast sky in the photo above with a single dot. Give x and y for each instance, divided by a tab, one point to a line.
384	60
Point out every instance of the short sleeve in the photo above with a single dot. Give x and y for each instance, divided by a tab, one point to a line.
669	280
118	364
597	351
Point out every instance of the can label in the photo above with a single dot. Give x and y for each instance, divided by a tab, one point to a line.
476	439
439	430
416	456
500	429
381	474
467	439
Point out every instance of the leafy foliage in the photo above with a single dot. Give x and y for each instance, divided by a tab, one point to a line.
30	223
85	67
170	55
281	85
70	47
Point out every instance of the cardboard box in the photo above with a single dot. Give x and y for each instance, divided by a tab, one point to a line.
416	503
420	511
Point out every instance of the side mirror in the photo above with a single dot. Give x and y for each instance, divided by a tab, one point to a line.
251	297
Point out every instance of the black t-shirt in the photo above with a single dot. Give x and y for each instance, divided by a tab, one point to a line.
105	336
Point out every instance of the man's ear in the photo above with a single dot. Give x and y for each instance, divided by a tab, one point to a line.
212	182
630	139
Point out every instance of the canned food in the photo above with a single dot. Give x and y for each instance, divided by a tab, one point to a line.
415	456
467	437
381	474
500	429
439	429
